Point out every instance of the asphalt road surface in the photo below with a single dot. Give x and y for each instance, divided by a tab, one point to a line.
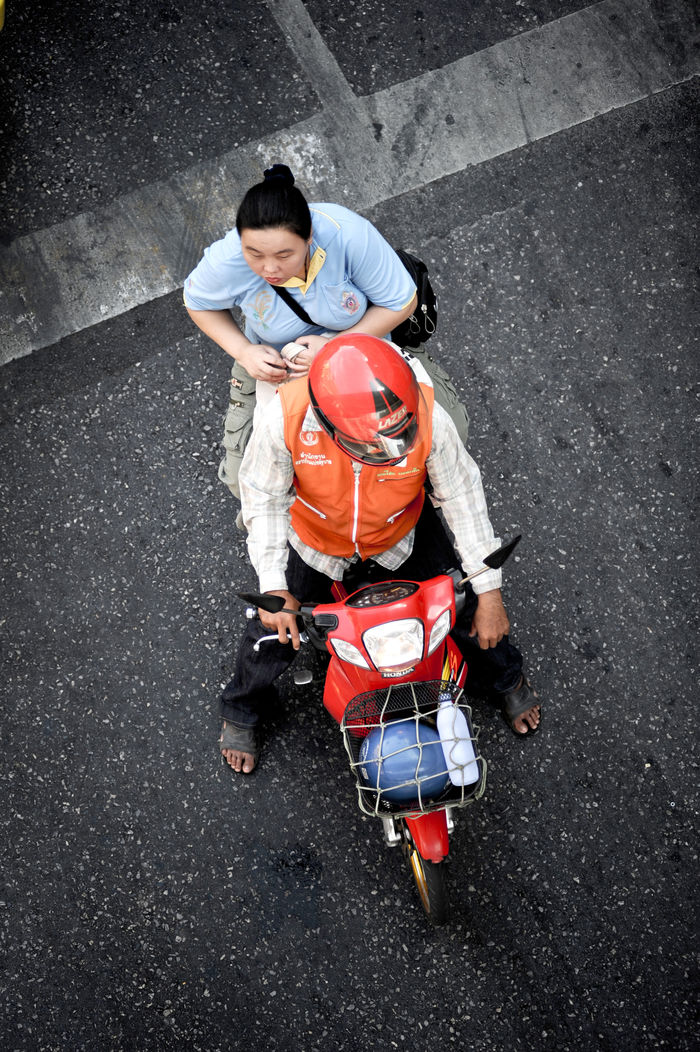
541	157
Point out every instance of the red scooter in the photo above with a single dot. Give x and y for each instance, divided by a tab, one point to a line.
395	684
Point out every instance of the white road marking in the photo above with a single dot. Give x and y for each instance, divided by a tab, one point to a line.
356	150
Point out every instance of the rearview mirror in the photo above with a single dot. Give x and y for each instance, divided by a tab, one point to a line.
495	560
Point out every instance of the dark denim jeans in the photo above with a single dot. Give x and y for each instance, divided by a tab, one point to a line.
493	671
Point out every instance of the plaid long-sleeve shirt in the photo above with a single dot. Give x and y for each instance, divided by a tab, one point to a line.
267	494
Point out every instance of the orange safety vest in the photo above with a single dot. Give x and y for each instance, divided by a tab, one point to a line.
340	510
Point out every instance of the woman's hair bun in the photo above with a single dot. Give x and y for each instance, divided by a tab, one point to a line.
275	202
280	171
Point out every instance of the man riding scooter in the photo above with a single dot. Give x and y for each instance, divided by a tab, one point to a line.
335	475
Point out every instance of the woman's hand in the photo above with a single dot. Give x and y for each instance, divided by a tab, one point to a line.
300	364
263	363
313	342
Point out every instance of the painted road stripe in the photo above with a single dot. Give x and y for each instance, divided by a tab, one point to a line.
76	274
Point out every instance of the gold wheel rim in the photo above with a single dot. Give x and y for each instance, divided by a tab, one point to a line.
421	883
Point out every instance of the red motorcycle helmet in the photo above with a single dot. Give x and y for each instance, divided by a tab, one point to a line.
366	397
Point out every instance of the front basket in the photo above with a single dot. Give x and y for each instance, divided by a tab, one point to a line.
412	703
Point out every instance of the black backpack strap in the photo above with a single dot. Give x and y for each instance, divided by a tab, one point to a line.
292	304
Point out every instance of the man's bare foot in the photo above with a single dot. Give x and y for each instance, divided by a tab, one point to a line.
238	747
529	721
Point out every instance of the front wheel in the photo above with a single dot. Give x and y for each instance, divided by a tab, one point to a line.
431	884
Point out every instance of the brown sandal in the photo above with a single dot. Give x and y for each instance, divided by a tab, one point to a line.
516	702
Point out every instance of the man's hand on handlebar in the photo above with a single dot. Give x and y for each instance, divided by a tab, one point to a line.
283	623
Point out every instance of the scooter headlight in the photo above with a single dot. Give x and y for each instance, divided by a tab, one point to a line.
348	652
439	630
396	644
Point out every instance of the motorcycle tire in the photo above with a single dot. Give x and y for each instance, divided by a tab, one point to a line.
431	884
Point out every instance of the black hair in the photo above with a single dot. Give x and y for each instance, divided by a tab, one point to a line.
275	202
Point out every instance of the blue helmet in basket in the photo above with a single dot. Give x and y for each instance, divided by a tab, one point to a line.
398	757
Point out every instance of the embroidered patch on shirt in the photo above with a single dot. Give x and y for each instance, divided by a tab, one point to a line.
350	303
261	305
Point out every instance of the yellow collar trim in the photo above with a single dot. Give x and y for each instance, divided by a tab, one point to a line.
315	264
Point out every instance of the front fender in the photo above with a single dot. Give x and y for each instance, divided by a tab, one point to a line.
430	836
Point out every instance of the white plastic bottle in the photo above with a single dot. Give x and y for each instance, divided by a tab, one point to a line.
456	743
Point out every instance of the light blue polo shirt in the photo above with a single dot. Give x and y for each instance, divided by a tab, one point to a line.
360	267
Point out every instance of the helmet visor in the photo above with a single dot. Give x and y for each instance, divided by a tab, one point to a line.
381	449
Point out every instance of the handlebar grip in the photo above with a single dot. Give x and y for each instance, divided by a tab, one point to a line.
459	590
274	638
